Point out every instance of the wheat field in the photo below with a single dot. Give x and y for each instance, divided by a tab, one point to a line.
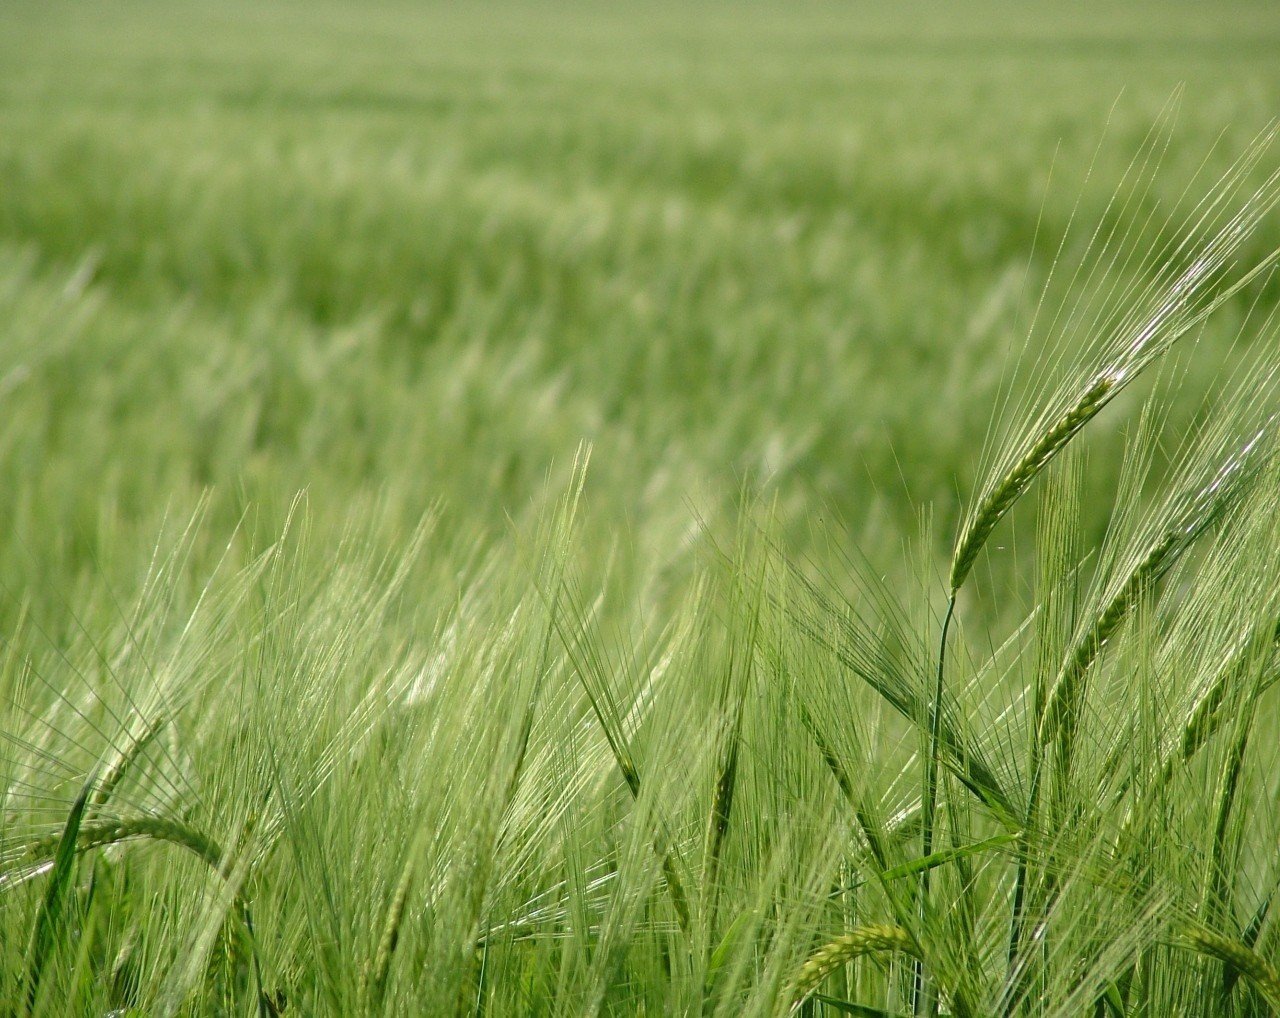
550	508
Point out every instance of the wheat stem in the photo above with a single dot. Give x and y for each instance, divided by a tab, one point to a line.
920	993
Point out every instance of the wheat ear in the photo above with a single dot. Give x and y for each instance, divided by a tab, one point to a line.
870	939
96	833
1169	313
1248	963
373	980
1201	511
112	778
1206	716
1001	497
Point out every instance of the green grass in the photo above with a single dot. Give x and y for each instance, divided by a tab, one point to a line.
357	689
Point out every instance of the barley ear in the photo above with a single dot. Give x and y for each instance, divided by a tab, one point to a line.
1002	495
1199	511
91	834
373	980
97	833
1123	346
1248	963
107	785
871	939
1207	715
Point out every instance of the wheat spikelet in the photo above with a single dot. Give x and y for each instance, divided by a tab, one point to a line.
374	979
868	939
1001	497
1251	965
124	760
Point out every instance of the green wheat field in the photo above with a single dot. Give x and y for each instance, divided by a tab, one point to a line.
565	508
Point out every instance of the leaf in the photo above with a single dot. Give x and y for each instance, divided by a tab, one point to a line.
946	855
49	918
731	939
849	1007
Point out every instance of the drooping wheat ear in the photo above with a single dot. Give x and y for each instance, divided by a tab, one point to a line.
870	939
1248	963
1001	496
97	833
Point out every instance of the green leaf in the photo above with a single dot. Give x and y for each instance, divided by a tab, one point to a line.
849	1007
49	919
730	940
946	855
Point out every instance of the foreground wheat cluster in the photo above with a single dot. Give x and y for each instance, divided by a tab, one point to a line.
784	792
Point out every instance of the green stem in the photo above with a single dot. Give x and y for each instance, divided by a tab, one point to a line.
922	998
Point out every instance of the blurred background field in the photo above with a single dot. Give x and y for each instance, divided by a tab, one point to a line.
402	254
